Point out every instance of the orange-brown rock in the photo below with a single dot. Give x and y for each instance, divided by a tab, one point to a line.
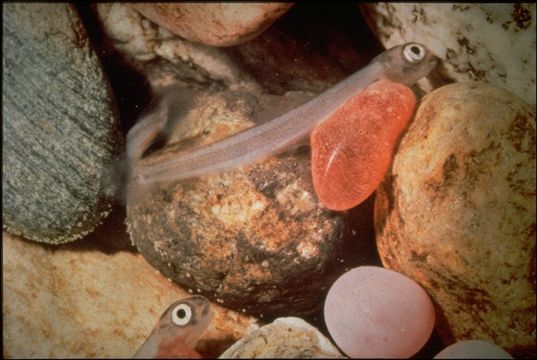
457	213
222	24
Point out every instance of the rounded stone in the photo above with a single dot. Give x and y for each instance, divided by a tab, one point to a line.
473	349
256	238
457	213
60	125
312	47
372	312
223	24
59	295
285	338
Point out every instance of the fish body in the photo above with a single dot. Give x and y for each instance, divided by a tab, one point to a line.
402	64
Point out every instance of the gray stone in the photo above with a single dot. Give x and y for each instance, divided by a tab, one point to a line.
59	126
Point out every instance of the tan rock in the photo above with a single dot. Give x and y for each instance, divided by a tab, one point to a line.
82	301
285	338
457	213
223	24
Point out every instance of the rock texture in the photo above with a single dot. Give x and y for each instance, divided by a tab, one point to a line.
145	45
484	42
308	49
457	213
242	208
59	125
222	24
285	338
254	239
86	301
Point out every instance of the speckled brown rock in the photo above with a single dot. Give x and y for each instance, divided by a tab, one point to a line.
59	125
457	213
285	338
85	301
255	239
223	24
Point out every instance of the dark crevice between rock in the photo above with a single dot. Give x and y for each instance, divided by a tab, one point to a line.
131	89
330	37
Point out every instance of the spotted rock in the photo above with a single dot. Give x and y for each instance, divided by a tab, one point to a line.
457	213
492	42
285	338
256	238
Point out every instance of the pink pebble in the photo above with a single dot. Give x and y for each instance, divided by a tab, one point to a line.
373	312
473	349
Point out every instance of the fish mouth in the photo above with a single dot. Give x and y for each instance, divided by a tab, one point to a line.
205	312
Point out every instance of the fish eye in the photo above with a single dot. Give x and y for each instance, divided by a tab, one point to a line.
181	314
414	52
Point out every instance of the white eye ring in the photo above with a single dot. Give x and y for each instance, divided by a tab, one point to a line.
181	314
414	52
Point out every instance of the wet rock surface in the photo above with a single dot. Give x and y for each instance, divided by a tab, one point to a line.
310	48
59	126
295	249
457	213
94	298
255	239
161	56
285	338
214	24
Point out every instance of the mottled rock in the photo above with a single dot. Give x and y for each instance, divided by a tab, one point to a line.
285	338
222	24
82	301
484	42
254	239
60	125
457	213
